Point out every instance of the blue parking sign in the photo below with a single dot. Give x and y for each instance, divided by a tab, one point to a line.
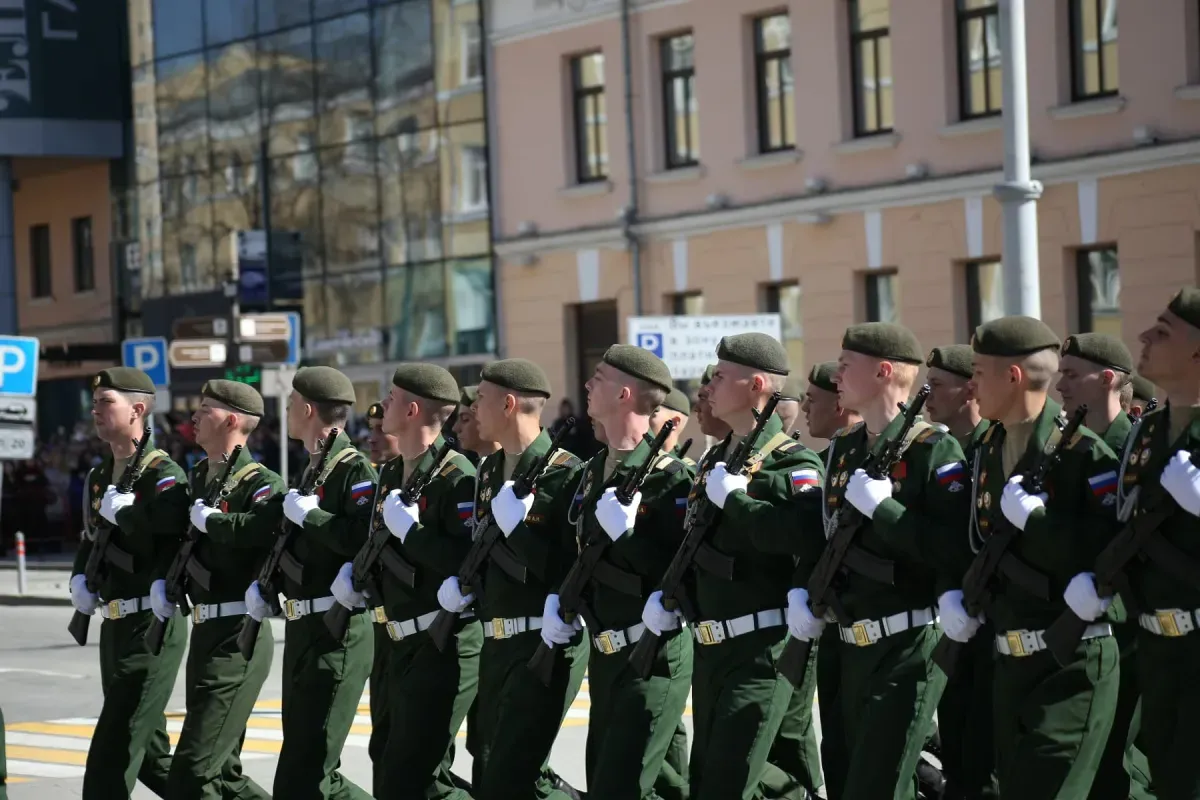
652	342
148	354
19	365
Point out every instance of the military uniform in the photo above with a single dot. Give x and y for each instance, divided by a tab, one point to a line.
377	684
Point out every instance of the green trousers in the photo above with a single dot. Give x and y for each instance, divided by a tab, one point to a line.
738	703
1168	668
794	764
519	718
1124	773
673	779
429	694
633	721
889	691
965	722
379	706
1052	722
130	741
323	681
829	702
222	688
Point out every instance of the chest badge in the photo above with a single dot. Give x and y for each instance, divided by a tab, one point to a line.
987	500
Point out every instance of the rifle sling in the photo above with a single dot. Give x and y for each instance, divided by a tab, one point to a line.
617	579
507	561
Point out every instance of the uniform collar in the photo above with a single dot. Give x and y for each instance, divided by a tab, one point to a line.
423	460
537	448
889	432
1117	433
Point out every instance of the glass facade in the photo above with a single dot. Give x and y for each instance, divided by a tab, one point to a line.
364	121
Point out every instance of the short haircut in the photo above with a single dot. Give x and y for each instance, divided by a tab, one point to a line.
905	374
1039	368
1126	396
332	413
433	413
145	399
775	383
532	404
646	396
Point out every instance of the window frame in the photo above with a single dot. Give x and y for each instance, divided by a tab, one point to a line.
687	76
473	164
1078	56
465	39
678	303
974	296
1085	317
857	39
85	274
41	276
965	16
762	59
582	96
871	298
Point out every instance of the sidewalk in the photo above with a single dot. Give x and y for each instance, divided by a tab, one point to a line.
46	585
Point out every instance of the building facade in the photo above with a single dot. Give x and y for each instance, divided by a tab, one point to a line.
833	161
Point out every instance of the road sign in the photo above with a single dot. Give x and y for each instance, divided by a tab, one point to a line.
189	353
263	352
277	382
16	442
293	357
20	410
19	365
688	344
150	356
264	328
200	328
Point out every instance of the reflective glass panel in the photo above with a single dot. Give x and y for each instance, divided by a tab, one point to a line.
180	95
348	206
416	311
343	76
288	90
404	86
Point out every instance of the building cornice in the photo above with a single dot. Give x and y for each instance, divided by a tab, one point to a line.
554	16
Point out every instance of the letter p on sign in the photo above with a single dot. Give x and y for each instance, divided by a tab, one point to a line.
12	362
145	357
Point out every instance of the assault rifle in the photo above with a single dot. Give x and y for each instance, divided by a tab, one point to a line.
1150	406
702	522
103	548
993	558
376	551
570	593
488	536
683	450
268	575
840	552
176	579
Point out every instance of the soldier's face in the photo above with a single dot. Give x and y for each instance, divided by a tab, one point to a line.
489	411
709	424
395	411
466	429
730	390
113	413
1082	381
1170	350
383	446
948	394
993	385
858	379
605	390
297	416
821	412
209	419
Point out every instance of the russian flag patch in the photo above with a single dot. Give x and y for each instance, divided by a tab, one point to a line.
262	494
681	505
805	479
465	510
164	484
360	489
1103	484
949	473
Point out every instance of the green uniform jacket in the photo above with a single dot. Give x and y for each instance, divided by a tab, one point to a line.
762	527
1061	540
970	443
647	550
914	528
437	545
149	529
237	538
543	542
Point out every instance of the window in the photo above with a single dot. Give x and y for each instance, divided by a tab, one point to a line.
591	150
471	51
979	65
81	242
1093	49
39	260
773	83
784	299
680	109
686	304
473	193
985	293
882	291
1098	281
871	66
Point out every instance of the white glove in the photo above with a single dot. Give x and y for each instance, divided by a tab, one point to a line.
508	510
113	502
800	620
866	493
1017	504
956	622
1182	480
615	518
451	598
721	484
657	618
256	606
85	602
554	630
200	514
1083	599
343	588
296	506
163	608
398	517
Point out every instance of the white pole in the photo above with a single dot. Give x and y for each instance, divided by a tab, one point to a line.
283	440
21	586
1018	194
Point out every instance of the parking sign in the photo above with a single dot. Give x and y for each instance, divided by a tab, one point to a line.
652	342
148	354
688	344
19	365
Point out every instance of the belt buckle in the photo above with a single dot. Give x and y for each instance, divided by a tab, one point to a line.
1169	622
604	642
199	613
394	631
499	631
114	609
379	615
862	636
710	632
1016	645
292	610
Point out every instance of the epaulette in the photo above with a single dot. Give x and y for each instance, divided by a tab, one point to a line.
930	435
987	435
788	447
450	465
846	430
564	458
668	464
1081	442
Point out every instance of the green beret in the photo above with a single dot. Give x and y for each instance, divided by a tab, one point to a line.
428	381
1013	336
754	350
1099	348
953	358
237	396
884	340
793	389
821	376
323	385
706	378
375	411
468	395
678	401
1143	389
1186	305
639	363
123	379
517	375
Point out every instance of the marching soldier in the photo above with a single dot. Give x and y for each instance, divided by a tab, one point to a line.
466	428
790	403
236	534
517	718
965	711
130	740
889	686
709	425
323	679
675	407
1051	722
1143	392
381	445
738	699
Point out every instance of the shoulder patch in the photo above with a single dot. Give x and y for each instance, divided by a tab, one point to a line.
930	435
788	447
449	468
562	458
848	429
668	464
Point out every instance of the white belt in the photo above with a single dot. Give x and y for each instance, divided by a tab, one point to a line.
397	630
715	631
295	609
501	628
116	609
1025	643
615	641
869	631
203	613
1170	622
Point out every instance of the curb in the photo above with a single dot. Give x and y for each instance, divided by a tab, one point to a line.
33	600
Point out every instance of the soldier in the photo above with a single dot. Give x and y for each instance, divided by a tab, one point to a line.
466	428
675	407
130	739
790	404
738	699
709	425
889	686
823	413
1143	392
965	711
1051	722
382	446
236	534
322	679
517	718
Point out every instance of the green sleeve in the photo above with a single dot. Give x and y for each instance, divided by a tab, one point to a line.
163	513
256	527
534	540
442	544
771	516
346	531
657	533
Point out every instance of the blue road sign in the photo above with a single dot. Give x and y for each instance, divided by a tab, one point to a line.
19	365
652	342
150	356
293	358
